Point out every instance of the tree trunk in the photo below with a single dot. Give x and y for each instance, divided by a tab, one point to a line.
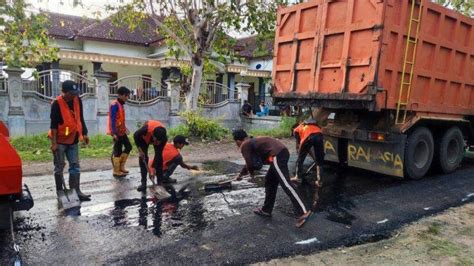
193	93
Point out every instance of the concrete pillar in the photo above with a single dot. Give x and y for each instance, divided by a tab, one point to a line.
16	116
261	89
174	87
103	102
56	90
173	92
231	85
243	89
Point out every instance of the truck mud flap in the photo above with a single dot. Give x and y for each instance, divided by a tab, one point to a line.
330	149
380	157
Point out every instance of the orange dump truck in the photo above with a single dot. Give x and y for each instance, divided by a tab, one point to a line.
393	80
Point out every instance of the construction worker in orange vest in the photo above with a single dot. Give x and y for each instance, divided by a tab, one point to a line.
152	132
117	128
171	159
66	129
308	135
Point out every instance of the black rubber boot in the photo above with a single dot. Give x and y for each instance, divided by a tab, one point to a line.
58	179
142	187
75	182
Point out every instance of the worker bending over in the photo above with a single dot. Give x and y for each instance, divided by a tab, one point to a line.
117	128
266	150
171	159
308	135
66	129
152	132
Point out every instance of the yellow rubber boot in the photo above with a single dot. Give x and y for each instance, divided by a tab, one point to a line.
116	164
123	160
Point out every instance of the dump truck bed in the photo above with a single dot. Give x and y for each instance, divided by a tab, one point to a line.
350	54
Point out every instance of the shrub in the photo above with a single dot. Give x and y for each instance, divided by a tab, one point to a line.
202	127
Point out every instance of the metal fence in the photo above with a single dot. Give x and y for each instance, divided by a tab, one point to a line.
213	93
3	83
47	84
143	89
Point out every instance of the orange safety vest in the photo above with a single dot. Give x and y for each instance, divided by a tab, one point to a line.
169	153
119	120
304	131
152	124
71	125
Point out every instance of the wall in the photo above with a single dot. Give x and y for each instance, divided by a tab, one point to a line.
228	113
124	70
66	44
115	49
265	122
266	64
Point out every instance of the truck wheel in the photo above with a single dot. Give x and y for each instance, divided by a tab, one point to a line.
451	150
419	153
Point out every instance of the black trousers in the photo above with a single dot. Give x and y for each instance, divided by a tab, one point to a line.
279	174
122	145
158	161
313	141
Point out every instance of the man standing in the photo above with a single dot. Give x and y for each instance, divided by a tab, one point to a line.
118	130
152	132
172	158
266	150
308	135
66	129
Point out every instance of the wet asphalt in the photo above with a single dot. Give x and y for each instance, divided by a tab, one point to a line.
195	226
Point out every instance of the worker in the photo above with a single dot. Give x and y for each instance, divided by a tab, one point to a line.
171	159
66	129
308	135
117	128
152	132
266	150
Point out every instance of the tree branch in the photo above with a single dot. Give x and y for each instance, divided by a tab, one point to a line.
187	49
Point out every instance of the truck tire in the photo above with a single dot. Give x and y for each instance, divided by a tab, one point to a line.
419	151
451	150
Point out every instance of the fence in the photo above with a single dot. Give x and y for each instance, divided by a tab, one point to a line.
213	93
143	89
47	84
3	84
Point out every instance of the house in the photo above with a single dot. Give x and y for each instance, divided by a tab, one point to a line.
87	45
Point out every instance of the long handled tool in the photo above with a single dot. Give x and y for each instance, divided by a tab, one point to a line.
68	198
158	191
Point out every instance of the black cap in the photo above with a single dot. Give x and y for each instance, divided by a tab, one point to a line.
71	87
180	140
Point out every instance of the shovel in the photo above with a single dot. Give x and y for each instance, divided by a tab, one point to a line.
158	191
68	198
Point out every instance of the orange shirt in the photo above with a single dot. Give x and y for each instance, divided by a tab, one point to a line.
304	131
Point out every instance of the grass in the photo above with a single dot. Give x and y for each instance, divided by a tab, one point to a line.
36	148
282	131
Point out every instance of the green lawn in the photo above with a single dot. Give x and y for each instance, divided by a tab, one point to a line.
37	148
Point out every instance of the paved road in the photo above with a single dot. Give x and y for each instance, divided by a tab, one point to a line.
121	227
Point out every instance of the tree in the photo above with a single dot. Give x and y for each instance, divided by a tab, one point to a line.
23	36
196	30
464	6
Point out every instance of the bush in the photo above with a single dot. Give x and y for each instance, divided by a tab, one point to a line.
202	127
282	131
179	130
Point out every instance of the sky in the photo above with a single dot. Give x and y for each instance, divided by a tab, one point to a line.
88	7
